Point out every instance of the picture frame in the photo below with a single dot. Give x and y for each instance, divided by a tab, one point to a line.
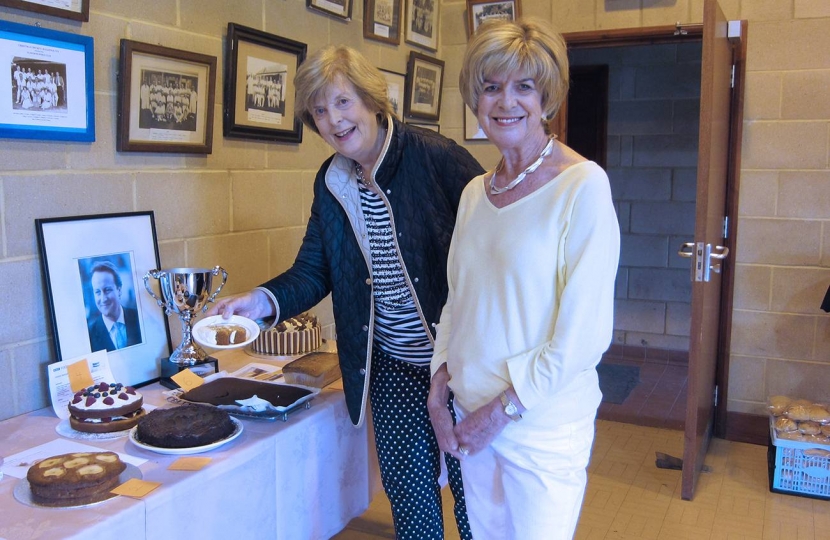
110	254
422	18
77	10
165	99
396	90
341	9
424	83
472	129
432	127
36	101
479	11
382	20
260	98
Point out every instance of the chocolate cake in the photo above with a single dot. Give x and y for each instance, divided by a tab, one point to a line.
74	478
184	427
293	336
227	390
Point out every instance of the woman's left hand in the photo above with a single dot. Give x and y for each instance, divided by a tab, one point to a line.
481	427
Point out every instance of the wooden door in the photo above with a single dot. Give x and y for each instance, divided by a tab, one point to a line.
713	162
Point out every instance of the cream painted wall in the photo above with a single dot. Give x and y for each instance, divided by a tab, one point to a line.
246	204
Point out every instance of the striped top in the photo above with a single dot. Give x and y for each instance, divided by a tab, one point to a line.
398	328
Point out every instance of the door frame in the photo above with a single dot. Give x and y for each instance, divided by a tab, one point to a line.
679	34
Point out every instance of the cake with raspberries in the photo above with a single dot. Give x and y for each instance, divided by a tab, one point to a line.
293	336
75	478
105	407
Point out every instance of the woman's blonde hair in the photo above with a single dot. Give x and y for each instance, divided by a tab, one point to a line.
322	68
528	46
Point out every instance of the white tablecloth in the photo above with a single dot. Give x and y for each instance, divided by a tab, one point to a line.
302	479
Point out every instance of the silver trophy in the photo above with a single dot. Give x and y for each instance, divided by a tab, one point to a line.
186	291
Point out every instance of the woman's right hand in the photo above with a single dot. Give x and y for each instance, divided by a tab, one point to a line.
254	304
439	413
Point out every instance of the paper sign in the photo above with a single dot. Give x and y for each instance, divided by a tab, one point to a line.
187	380
190	464
61	388
79	376
135	488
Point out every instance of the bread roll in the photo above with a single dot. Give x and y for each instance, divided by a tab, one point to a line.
785	425
809	428
778	404
798	412
819	414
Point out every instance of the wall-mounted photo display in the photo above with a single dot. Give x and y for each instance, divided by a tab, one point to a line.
424	81
77	10
165	99
382	20
422	23
260	97
93	267
395	89
472	129
337	8
47	92
479	11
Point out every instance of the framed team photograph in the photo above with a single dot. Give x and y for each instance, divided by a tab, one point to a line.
260	98
382	20
77	10
472	129
165	99
479	11
47	92
395	89
337	8
422	23
424	81
93	267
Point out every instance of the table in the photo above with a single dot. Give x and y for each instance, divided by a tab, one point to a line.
302	479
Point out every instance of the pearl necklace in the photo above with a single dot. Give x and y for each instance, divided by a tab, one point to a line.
518	180
361	177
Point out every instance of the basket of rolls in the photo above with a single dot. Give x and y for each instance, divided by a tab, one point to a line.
799	449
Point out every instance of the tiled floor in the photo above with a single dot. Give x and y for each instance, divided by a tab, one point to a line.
628	498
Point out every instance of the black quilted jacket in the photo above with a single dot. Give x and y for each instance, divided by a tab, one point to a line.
421	175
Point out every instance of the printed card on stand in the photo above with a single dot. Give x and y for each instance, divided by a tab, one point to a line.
66	378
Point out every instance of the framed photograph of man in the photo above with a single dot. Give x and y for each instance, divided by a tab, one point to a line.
424	81
47	93
165	99
260	98
479	11
93	268
382	20
422	23
395	88
341	9
77	10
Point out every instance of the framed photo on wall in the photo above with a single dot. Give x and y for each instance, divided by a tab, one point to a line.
337	8
382	20
93	267
422	23
479	11
77	10
472	129
260	98
47	92
395	89
165	99
424	81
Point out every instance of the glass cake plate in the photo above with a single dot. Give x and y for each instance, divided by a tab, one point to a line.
184	451
23	492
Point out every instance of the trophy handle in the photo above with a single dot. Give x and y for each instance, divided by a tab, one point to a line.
215	272
155	274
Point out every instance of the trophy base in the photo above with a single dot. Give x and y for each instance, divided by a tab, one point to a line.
206	367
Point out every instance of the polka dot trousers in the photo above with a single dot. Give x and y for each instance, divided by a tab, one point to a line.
408	452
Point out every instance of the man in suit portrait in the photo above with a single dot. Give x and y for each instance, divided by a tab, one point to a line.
113	326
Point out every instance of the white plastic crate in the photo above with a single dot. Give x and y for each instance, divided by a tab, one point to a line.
794	472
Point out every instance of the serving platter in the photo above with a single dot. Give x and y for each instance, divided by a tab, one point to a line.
23	492
184	451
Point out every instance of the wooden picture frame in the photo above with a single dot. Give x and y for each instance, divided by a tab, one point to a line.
424	83
479	11
472	129
341	9
260	98
120	248
49	89
422	18
396	90
165	99
77	10
382	20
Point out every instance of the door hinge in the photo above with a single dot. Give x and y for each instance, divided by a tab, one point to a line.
725	227
732	79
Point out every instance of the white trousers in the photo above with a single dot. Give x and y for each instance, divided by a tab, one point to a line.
529	483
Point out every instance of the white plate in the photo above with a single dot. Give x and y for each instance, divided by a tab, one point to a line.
64	429
23	492
184	451
206	337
